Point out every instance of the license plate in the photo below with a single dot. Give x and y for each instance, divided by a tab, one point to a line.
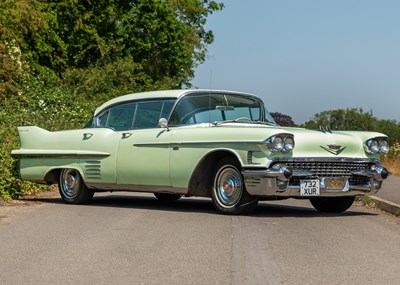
335	183
309	187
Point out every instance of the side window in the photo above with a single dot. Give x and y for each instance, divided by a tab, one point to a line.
167	107
191	110
136	115
255	113
101	121
121	117
205	108
147	115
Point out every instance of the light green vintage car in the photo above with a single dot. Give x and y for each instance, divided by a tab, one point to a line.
209	143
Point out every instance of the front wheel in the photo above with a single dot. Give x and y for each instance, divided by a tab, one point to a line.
332	204
72	189
229	194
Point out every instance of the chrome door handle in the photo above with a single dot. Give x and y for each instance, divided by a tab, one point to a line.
87	136
126	135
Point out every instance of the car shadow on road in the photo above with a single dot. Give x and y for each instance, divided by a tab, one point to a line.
152	203
205	206
268	209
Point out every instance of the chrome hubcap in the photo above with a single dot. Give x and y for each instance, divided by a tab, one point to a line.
228	187
69	182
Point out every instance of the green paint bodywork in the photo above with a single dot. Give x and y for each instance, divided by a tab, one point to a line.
166	158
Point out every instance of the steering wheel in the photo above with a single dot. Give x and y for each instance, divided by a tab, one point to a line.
243	119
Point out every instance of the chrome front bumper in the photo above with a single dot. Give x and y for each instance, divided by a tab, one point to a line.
282	181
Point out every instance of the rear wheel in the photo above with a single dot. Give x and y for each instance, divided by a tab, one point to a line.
229	194
72	189
167	196
332	204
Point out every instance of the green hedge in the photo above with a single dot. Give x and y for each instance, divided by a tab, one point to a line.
50	108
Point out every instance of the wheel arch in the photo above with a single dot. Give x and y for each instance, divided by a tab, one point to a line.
53	175
200	182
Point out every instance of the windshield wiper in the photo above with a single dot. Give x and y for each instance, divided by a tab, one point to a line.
238	120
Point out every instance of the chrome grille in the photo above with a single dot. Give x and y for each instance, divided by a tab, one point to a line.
330	169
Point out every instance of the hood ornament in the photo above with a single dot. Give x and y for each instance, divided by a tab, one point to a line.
325	130
334	148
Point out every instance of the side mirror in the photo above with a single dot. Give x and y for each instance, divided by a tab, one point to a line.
163	123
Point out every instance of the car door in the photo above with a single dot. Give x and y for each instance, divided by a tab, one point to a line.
104	137
99	168
143	158
143	152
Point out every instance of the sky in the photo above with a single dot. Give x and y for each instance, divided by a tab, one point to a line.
303	57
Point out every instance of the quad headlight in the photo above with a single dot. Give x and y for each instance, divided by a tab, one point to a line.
377	145
280	143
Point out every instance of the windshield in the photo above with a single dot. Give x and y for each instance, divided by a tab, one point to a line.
210	108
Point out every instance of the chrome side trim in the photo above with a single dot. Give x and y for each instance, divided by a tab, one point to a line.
194	143
279	173
39	153
136	188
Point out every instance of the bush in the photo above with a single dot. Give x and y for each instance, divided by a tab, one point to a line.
11	186
49	107
392	159
112	79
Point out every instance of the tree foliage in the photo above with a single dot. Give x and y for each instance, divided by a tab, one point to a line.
282	119
165	39
355	119
19	21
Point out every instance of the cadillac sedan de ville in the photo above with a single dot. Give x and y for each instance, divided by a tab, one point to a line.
208	143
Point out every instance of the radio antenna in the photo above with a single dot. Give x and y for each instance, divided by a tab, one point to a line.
211	74
209	98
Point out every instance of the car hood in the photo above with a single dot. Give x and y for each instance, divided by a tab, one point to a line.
315	142
327	143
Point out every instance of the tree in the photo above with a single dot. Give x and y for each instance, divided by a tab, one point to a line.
282	119
391	128
166	37
20	23
355	119
349	119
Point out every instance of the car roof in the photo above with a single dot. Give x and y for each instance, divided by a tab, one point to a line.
162	94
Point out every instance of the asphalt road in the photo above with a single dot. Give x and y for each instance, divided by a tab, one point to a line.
136	239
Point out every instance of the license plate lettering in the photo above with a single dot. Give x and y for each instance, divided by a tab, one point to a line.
309	187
